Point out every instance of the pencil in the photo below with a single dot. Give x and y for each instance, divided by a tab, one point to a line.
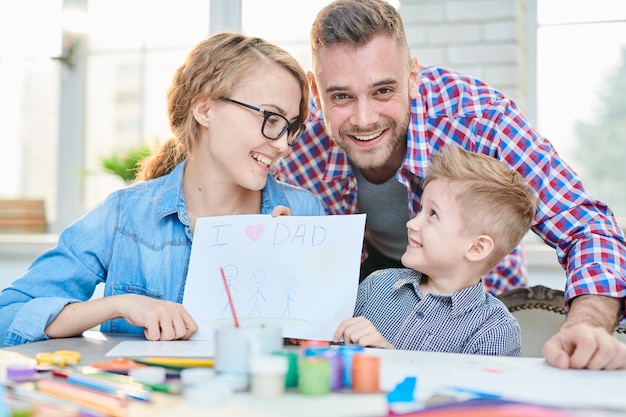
128	389
230	300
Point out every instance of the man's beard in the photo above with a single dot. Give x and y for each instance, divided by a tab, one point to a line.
376	157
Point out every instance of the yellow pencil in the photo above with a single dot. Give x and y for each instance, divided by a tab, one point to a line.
182	362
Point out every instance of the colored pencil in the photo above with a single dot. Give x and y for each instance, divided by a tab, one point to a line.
128	389
106	403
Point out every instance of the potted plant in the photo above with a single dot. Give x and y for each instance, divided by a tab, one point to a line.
125	164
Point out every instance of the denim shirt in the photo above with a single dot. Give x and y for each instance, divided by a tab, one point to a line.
137	241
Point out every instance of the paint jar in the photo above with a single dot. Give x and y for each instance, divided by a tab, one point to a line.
267	375
314	375
193	376
20	373
148	374
291	379
365	373
235	346
209	392
336	363
336	368
347	352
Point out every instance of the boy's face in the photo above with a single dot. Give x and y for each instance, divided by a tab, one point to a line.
437	242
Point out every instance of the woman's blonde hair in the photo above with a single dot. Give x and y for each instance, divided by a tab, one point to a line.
211	70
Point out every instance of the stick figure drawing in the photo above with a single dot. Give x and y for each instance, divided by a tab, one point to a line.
257	279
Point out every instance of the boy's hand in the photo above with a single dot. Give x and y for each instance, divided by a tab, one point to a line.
360	331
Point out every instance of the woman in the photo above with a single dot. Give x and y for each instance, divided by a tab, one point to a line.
235	106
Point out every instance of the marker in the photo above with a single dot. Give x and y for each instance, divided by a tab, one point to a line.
181	362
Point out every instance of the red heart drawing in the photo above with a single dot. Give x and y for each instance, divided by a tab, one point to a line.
255	232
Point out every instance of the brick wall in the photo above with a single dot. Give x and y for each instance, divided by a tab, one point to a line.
488	39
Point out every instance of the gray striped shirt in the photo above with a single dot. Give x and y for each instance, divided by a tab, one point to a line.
467	321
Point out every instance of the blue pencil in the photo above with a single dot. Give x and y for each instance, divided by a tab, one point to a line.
130	390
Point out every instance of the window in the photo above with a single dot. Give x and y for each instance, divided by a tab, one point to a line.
134	47
581	75
132	58
29	98
131	54
288	28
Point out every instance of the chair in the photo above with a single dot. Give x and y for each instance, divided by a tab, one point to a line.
540	312
620	332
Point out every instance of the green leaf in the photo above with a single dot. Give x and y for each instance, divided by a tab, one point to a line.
125	164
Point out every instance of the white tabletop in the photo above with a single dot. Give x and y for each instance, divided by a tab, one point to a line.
529	380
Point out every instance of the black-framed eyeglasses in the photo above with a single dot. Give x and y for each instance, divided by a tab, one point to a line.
275	125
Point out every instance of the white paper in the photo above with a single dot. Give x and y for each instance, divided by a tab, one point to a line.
162	349
297	272
527	380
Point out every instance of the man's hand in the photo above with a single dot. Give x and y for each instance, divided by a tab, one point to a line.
360	331
585	340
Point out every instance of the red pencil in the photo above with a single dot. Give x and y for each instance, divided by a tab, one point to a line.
230	300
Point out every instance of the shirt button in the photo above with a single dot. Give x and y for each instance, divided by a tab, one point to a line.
420	314
352	184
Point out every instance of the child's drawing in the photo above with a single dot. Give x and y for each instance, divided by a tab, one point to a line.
290	285
257	279
230	272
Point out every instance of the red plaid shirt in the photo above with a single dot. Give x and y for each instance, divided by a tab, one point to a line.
455	109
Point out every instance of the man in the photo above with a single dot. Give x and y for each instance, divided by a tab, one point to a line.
377	118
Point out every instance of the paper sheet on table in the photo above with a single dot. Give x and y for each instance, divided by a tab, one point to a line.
527	380
162	349
297	272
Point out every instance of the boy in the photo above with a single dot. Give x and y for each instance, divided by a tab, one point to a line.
475	210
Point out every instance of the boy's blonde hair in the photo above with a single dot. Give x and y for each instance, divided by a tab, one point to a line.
493	199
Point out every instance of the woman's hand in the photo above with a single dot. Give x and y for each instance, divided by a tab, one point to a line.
281	211
161	320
